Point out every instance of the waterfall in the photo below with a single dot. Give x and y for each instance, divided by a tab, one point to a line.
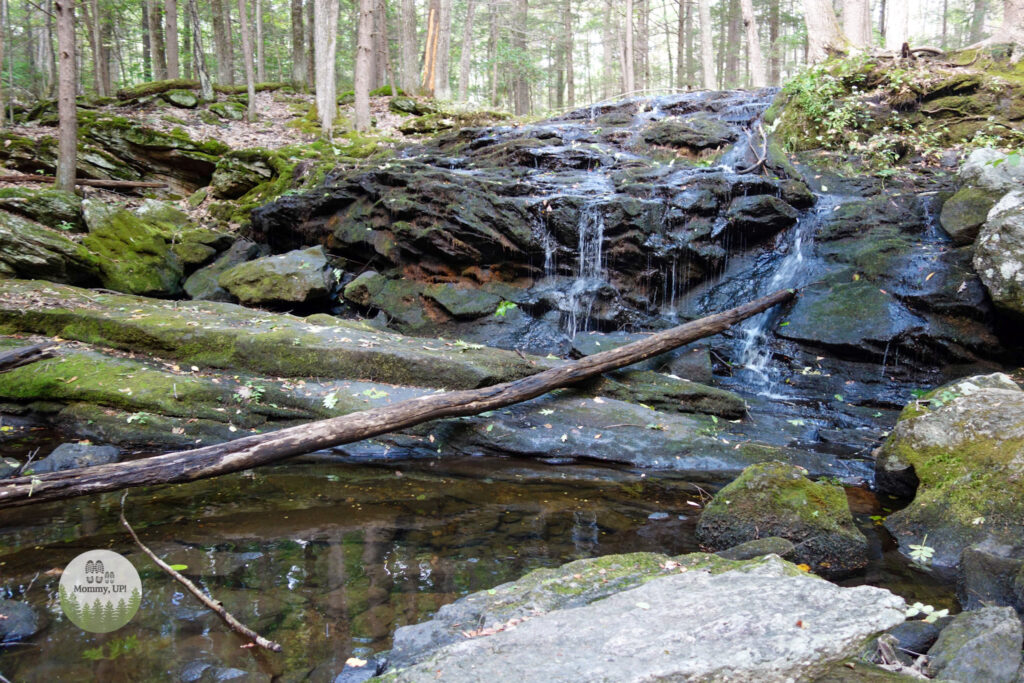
590	273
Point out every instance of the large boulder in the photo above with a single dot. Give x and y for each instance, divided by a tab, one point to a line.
53	208
999	254
768	622
239	171
989	169
982	645
760	216
203	283
776	499
135	256
991	574
964	444
298	277
69	456
964	213
27	249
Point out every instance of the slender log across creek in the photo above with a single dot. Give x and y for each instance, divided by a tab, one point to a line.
264	449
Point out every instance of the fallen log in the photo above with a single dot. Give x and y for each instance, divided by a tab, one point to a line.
263	449
87	182
25	355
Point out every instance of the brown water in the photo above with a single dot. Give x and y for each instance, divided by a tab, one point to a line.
330	558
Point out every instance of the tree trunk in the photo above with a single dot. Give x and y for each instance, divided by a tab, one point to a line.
897	25
823	34
92	36
156	42
171	22
467	51
261	59
407	56
570	65
1012	28
492	50
608	53
707	56
3	33
442	82
250	76
264	449
640	61
147	45
682	54
521	85
67	144
427	80
857	22
758	76
731	75
628	77
198	54
774	49
310	47
222	42
364	50
299	76
978	21
325	41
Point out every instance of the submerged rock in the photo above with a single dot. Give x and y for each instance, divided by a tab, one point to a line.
18	621
982	645
776	499
298	277
965	444
768	620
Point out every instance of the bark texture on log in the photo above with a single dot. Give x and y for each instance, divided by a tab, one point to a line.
25	355
263	449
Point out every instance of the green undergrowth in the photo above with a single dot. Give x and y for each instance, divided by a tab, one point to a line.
866	112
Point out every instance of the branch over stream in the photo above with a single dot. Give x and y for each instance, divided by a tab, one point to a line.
263	449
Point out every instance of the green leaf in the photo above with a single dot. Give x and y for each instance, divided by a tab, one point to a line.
374	393
466	346
179	567
503	308
330	400
838	397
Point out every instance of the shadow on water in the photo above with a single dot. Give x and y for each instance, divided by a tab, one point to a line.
329	559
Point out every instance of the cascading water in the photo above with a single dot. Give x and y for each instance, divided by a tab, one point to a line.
590	273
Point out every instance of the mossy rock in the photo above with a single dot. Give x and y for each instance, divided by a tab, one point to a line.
27	249
231	111
463	302
240	171
964	444
183	99
134	256
385	91
409	105
50	207
965	212
298	277
193	255
666	393
776	499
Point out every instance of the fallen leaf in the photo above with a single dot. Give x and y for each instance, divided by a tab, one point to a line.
355	662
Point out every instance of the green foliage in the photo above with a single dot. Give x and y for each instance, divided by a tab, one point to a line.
931	614
503	308
922	553
112	649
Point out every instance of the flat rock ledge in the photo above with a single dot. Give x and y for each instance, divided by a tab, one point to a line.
761	620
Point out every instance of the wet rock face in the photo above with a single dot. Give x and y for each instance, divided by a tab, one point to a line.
999	254
69	456
983	645
580	215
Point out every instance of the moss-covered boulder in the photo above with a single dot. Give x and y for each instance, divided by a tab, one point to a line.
183	99
965	212
204	283
696	132
228	110
240	171
964	444
410	105
52	208
400	300
134	256
298	277
664	392
777	499
463	302
27	249
999	255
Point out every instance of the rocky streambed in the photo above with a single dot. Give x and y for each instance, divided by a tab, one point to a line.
489	254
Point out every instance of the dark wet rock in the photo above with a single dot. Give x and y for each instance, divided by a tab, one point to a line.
999	254
134	255
916	636
463	301
981	645
400	300
69	456
203	284
239	171
773	545
571	637
776	499
298	277
990	574
52	208
796	193
964	442
761	216
27	249
964	213
183	99
20	621
667	393
988	169
697	132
